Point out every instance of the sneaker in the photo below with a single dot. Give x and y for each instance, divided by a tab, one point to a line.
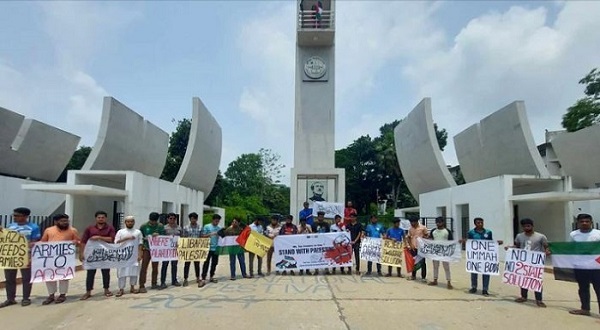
201	284
473	290
8	303
162	286
388	275
521	300
580	312
154	287
185	283
379	274
176	283
143	290
25	302
485	293
449	286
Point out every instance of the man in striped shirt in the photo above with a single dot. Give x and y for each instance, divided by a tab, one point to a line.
192	230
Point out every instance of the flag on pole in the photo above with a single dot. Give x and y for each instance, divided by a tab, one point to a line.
569	256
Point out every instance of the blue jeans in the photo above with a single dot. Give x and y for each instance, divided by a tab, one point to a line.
242	261
486	281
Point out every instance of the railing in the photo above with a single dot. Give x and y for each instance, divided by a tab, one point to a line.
309	20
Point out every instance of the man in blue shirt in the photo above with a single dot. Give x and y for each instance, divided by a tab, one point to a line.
307	213
32	233
480	233
397	235
374	230
211	230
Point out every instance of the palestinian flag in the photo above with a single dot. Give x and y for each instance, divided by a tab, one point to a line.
229	245
413	263
569	256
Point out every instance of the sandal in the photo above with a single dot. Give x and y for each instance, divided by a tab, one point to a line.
213	280
86	296
60	299
521	300
201	284
120	293
540	303
8	303
134	291
108	294
580	312
48	300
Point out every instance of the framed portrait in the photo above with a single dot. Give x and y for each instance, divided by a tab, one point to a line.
316	190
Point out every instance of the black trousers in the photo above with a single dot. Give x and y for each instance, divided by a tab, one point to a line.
538	295
584	278
356	249
423	267
89	279
186	269
163	271
213	259
11	283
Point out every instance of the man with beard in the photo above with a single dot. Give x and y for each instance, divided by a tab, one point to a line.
32	234
171	229
192	230
150	228
60	232
101	231
123	235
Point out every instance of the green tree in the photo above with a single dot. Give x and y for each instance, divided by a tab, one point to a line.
177	147
76	163
586	111
271	165
246	175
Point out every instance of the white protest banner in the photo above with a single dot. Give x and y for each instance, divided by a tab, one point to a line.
524	268
53	261
330	209
439	250
312	251
163	248
102	255
370	249
482	257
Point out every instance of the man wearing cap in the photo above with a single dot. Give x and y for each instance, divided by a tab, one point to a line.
356	230
123	235
397	235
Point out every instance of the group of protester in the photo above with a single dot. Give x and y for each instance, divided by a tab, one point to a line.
62	231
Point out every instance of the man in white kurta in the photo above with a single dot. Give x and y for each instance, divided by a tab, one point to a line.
123	235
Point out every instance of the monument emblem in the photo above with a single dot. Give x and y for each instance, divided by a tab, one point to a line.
315	67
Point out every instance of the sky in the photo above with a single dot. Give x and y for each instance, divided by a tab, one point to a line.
59	59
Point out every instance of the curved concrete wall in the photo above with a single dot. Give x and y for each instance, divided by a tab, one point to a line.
203	155
29	148
127	142
579	156
500	144
418	152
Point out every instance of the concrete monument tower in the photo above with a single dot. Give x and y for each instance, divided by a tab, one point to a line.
314	176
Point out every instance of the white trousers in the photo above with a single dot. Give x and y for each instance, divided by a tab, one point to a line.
436	269
63	287
123	281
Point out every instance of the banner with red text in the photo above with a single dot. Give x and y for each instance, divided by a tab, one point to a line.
53	261
524	268
163	248
313	251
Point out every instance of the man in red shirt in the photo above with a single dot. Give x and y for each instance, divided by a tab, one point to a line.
347	212
101	231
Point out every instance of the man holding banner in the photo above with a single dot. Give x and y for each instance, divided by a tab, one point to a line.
531	241
171	229
480	233
101	231
397	235
211	230
149	229
415	232
193	230
356	231
124	235
374	230
257	227
441	233
31	233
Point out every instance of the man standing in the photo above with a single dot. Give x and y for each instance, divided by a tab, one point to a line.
123	235
397	235
416	231
533	241
288	228
31	232
171	229
480	233
338	227
441	233
347	212
585	277
356	230
101	231
320	226
257	227
193	230
272	232
62	231
211	230
149	229
374	230
307	213
304	228
235	251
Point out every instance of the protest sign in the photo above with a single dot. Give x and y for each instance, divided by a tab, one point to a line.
330	209
391	253
13	250
163	248
193	249
370	249
103	255
312	251
482	257
524	268
258	244
52	261
439	250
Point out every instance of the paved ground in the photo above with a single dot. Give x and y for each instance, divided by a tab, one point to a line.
307	302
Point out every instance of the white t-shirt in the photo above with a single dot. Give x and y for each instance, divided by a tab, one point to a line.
591	236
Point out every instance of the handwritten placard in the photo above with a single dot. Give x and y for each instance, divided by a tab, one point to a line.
524	268
482	257
193	249
53	261
13	250
163	248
